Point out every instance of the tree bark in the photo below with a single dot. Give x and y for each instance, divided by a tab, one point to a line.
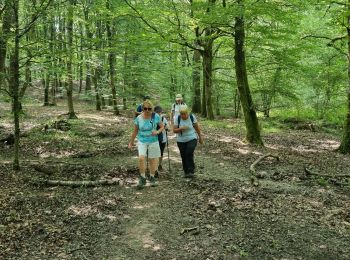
69	86
111	60
6	29
14	80
207	77
196	82
345	143
250	117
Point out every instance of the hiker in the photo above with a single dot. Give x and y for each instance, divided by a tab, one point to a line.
188	133
138	110
176	107
162	137
145	128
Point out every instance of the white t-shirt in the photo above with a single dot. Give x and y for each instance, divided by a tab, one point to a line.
176	110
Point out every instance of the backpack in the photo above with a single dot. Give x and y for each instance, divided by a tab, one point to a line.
139	109
160	135
181	104
179	119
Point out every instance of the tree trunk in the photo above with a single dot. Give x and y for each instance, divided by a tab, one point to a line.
126	78
96	78
47	89
237	103
6	29
111	60
251	120
345	143
196	82
14	81
69	86
207	78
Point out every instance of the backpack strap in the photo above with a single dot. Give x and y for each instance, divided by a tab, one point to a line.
192	118
153	116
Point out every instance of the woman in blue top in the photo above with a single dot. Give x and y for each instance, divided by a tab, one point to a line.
145	128
187	132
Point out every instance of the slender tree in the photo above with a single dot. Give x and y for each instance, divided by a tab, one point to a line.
70	52
250	117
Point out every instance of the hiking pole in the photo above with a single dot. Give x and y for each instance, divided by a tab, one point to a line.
167	146
201	161
147	169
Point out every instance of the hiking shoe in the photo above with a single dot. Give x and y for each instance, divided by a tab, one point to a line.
189	175
156	174
142	182
153	181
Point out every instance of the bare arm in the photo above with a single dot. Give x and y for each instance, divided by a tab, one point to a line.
199	132
133	136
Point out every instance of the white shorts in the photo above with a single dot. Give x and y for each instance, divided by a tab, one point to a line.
153	149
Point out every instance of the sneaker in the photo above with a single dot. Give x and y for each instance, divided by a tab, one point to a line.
153	181
189	175
142	182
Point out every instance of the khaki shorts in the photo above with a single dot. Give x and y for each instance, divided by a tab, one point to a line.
153	149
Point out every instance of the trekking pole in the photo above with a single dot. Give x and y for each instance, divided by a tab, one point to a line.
167	146
147	169
201	161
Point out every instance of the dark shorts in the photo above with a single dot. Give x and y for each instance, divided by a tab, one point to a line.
162	147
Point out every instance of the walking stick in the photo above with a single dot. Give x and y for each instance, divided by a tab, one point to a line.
147	169
167	146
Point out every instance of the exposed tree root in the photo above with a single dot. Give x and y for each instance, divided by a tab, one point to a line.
79	183
252	167
309	172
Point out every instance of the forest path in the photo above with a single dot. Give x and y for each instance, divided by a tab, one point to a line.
218	215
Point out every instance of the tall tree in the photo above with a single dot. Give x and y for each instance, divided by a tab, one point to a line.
112	59
345	143
250	117
70	54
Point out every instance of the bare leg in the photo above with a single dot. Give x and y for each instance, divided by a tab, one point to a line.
142	166
153	163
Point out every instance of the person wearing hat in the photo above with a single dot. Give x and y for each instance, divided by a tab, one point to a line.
139	109
175	108
162	138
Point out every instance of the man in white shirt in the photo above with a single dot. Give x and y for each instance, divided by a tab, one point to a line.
175	108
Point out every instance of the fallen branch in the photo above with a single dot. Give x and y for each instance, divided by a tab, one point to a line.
252	167
309	172
80	183
185	230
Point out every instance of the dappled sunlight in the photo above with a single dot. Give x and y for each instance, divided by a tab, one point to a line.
143	206
275	146
97	117
226	139
82	211
325	144
143	234
306	149
244	151
60	154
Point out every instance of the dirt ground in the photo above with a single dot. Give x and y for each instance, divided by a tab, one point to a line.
218	215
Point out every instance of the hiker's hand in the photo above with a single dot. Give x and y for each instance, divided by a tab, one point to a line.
154	132
201	140
130	145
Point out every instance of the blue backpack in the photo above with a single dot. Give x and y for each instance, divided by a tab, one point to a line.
160	135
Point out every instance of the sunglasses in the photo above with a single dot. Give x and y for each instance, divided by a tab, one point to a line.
147	108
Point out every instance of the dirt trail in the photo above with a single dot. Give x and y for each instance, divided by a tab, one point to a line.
218	215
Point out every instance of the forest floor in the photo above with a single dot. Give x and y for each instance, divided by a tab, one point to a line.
217	215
